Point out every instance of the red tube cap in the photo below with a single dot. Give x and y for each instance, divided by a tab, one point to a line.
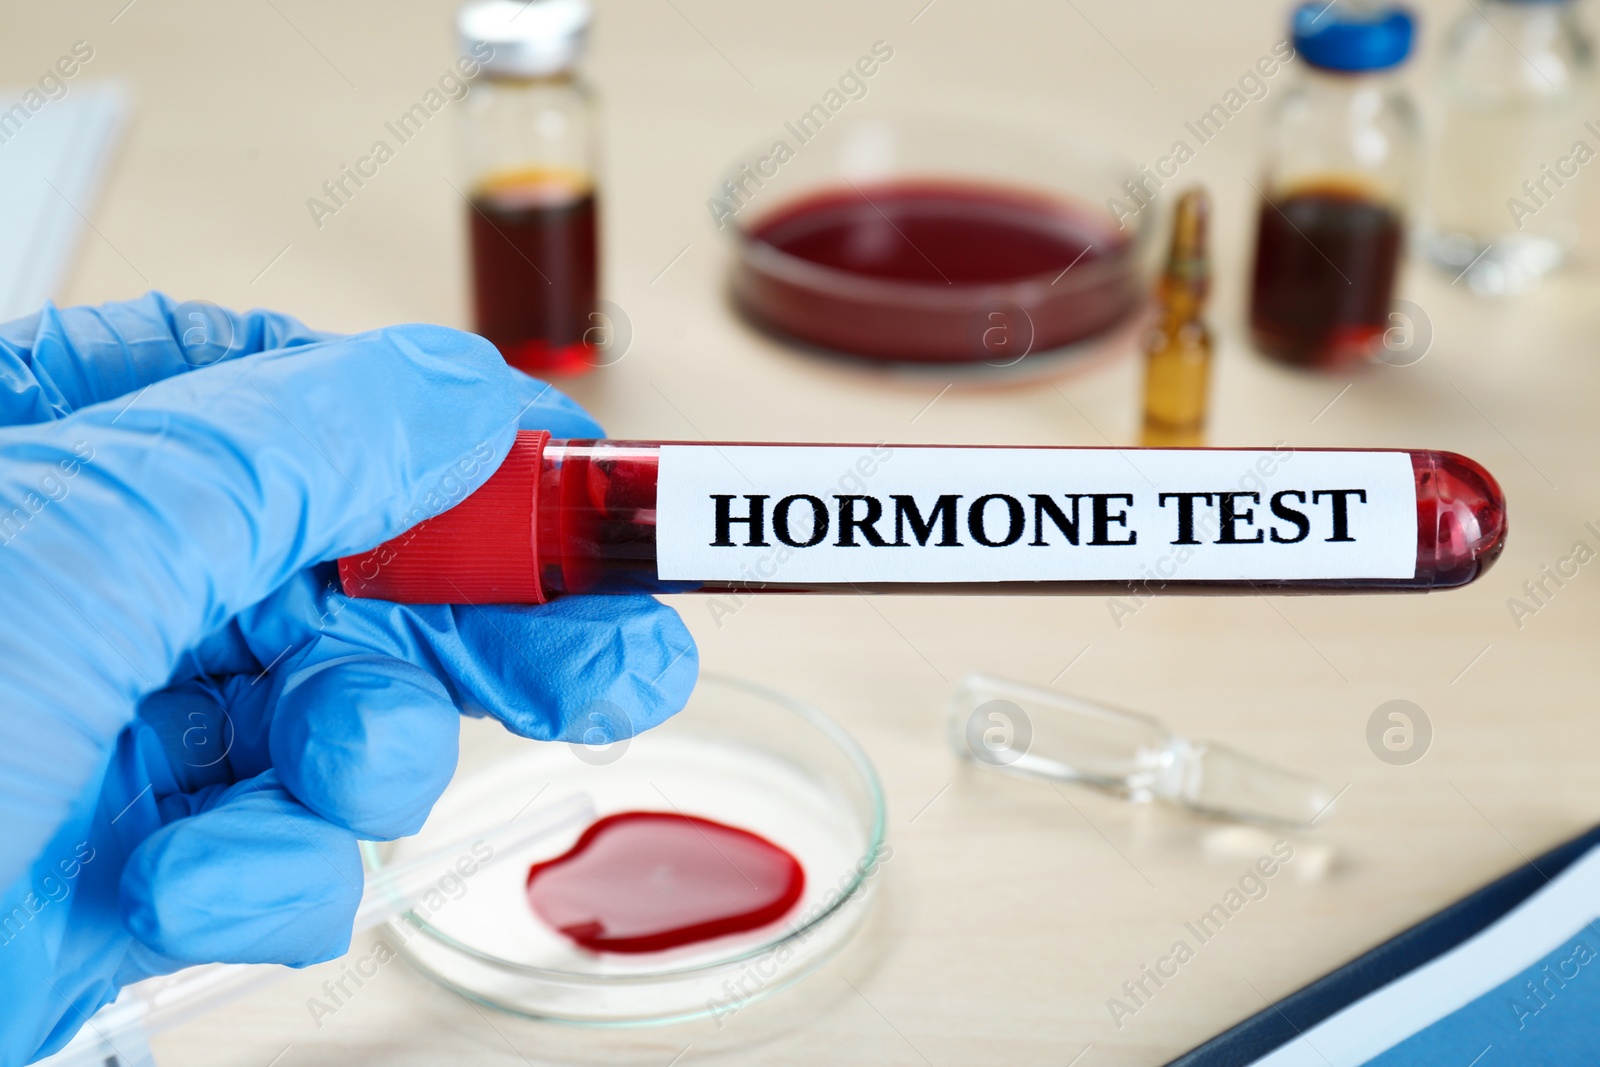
482	551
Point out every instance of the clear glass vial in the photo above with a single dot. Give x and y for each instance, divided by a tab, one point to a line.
1502	210
1337	187
530	134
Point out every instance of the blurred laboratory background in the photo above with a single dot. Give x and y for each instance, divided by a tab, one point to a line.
228	153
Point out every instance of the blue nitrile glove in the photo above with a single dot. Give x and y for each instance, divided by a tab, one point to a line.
195	725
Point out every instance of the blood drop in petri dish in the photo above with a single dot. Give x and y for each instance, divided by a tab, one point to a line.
645	881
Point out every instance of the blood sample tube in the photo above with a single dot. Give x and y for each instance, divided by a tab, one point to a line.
600	516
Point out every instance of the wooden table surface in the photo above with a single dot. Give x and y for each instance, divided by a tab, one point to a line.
1011	911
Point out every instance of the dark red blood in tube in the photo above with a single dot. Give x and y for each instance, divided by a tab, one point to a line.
1461	519
563	517
644	881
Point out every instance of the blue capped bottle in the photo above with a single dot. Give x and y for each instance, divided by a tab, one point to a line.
1337	188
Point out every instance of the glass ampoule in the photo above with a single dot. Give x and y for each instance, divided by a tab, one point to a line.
1178	349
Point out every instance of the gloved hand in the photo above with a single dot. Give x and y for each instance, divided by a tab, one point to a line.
195	725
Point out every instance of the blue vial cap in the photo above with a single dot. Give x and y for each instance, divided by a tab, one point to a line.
1333	37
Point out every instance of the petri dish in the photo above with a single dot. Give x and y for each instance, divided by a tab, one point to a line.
931	241
739	754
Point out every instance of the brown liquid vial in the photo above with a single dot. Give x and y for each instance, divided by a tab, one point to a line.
535	269
1178	350
1326	260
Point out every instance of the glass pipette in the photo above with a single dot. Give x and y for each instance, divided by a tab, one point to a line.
117	1033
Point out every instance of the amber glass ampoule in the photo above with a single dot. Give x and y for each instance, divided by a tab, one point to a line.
1178	349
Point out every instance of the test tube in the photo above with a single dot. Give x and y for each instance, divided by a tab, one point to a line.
600	516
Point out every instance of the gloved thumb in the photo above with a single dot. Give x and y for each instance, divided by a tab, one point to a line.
152	519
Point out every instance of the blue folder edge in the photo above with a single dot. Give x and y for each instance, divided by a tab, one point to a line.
1277	1025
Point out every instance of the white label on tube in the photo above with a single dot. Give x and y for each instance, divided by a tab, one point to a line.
782	514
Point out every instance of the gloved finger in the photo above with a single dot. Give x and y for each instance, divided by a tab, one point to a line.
61	359
167	514
192	738
251	876
541	407
544	407
366	741
587	669
582	668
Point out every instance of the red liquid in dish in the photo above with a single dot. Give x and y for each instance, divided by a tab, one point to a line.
644	881
937	272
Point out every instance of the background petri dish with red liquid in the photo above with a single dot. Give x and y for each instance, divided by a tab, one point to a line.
739	756
933	241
